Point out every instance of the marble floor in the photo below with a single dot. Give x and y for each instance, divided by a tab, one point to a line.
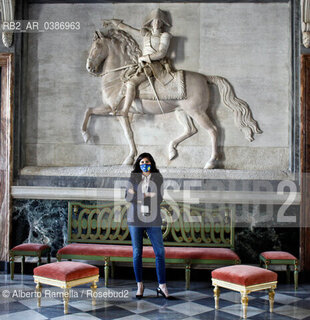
118	302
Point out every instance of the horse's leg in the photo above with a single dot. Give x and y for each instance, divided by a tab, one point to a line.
189	127
203	119
89	112
85	133
130	138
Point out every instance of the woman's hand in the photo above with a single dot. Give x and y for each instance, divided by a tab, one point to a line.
150	194
131	191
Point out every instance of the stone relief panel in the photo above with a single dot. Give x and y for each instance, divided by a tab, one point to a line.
255	61
148	75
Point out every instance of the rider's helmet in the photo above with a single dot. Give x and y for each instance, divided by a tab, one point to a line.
157	14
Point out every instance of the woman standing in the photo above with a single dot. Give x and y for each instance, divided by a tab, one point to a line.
145	195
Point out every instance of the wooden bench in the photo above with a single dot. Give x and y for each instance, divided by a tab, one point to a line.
100	232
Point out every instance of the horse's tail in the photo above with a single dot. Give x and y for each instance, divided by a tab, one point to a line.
243	115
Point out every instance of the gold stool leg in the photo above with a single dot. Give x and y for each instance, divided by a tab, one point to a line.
187	276
12	265
39	293
216	296
271	299
288	276
66	299
93	289
106	271
245	301
296	275
112	269
39	261
23	265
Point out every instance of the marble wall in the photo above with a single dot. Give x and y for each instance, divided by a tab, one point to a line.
248	43
40	221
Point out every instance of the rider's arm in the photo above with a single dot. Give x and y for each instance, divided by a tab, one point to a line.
127	28
163	47
116	23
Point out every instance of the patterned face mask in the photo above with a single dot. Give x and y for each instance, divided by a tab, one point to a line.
145	167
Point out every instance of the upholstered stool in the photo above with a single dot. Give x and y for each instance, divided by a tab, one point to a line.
281	258
244	279
29	249
66	274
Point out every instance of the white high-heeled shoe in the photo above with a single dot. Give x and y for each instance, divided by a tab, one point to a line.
161	291
138	295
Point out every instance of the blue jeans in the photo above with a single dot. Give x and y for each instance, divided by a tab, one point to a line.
156	237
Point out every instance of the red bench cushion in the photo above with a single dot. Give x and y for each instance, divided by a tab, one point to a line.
66	270
30	247
110	250
244	275
201	253
278	255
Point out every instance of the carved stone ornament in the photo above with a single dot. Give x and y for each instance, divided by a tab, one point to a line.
7	8
143	81
305	22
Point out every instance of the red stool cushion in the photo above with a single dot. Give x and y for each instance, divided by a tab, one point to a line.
278	255
66	270
30	247
244	275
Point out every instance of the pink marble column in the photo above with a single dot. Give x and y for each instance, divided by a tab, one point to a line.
6	160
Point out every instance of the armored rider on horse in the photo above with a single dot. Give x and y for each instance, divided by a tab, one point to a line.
153	63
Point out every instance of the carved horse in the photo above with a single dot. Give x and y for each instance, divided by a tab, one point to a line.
118	49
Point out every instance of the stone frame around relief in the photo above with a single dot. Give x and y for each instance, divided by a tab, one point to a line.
190	172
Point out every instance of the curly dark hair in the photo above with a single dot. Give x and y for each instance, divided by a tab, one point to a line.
136	166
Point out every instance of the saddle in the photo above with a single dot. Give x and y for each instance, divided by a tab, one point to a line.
171	89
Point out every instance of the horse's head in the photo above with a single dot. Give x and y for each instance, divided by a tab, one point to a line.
97	53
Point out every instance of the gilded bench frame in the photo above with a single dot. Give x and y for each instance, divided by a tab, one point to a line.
105	223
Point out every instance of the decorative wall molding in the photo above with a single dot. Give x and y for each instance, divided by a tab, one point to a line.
7	8
305	22
188	196
173	173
